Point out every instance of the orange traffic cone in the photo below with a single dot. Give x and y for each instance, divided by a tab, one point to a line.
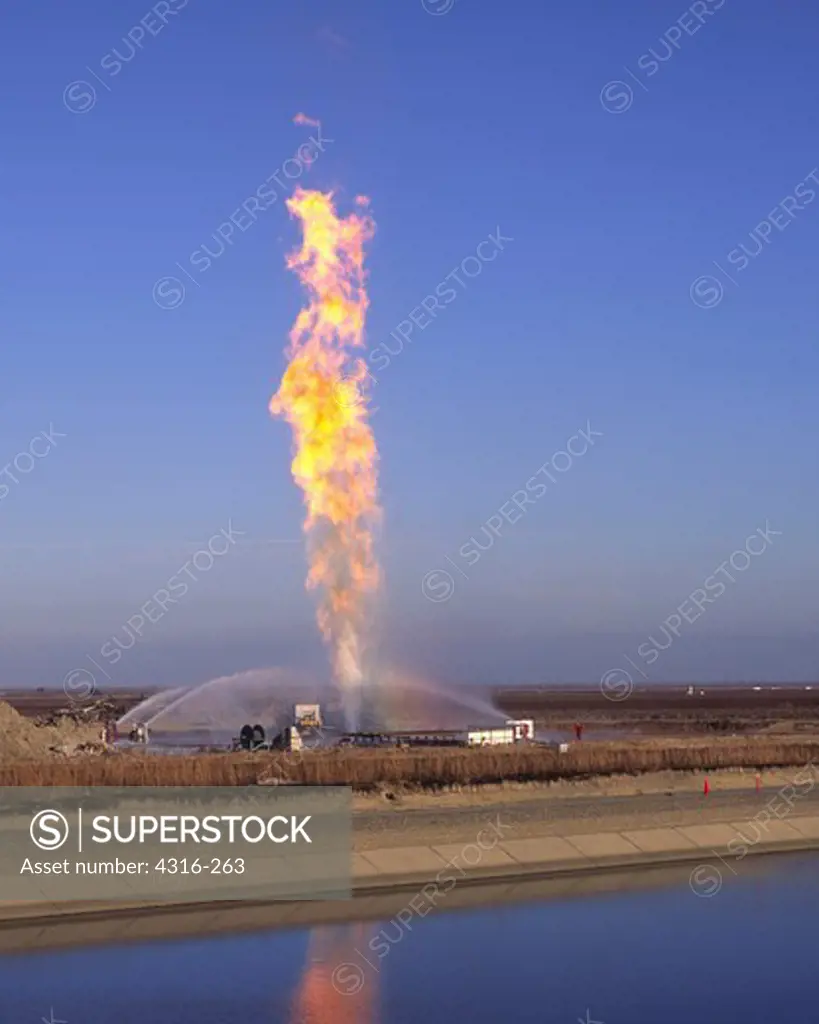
706	787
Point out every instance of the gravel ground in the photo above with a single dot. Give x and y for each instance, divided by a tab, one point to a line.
657	801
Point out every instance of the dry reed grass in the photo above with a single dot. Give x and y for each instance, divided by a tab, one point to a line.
366	770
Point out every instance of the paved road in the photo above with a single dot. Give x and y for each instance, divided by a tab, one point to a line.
570	815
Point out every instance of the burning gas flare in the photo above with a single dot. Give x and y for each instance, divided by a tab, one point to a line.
335	457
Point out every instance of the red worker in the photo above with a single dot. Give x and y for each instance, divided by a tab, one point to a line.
578	731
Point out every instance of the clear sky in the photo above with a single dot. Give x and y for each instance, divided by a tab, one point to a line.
625	152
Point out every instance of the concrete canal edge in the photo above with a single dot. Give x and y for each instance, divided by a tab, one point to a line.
417	879
722	846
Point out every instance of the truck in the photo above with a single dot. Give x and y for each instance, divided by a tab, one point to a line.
307	716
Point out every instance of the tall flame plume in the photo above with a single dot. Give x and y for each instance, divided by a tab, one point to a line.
335	457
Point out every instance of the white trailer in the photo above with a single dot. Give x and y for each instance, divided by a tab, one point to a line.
492	737
516	730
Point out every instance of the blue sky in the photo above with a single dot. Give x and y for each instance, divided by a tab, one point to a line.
456	124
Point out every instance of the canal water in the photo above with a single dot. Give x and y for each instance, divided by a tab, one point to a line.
745	951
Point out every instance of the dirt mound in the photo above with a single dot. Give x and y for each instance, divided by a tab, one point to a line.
16	733
20	737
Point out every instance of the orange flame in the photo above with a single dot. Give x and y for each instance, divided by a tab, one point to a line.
335	459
